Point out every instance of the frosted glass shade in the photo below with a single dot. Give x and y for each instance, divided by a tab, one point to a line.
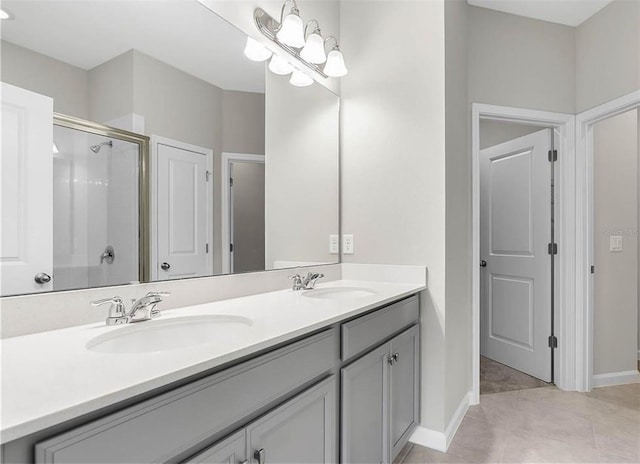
292	31
280	66
55	149
255	51
335	64
300	79
313	50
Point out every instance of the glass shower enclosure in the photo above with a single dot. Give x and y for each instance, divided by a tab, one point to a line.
99	205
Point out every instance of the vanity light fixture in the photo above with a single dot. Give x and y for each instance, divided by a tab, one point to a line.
335	66
313	50
300	79
291	31
255	51
299	46
6	14
280	66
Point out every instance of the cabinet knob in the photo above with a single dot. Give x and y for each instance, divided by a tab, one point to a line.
396	357
259	456
391	360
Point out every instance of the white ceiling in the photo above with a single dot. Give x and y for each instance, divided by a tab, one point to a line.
181	33
568	12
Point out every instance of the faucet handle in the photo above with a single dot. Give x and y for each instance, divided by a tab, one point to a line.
117	311
160	294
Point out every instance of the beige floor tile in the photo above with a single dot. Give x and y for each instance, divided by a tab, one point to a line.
403	453
478	441
497	408
613	438
421	455
606	458
552	422
521	447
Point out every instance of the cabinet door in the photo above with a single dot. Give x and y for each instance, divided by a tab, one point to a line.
405	384
303	430
232	450
365	409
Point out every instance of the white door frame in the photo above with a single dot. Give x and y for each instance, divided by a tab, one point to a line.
153	211
227	159
564	297
585	246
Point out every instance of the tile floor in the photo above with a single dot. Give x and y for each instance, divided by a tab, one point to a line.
496	378
544	425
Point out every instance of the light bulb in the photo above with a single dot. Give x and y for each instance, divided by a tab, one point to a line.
313	51
292	30
335	64
280	66
5	14
300	79
255	51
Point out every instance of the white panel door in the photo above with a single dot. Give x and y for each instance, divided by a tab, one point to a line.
515	230
26	249
182	213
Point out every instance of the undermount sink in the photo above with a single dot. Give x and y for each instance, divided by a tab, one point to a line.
339	293
170	334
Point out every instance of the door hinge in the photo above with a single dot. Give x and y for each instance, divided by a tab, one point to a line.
593	269
231	247
206	248
552	248
553	341
553	155
231	181
207	175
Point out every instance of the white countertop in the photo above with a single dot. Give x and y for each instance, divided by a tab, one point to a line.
51	377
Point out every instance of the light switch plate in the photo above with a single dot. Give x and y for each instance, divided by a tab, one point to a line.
615	243
347	244
334	243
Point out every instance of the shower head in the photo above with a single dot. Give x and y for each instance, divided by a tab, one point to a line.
96	148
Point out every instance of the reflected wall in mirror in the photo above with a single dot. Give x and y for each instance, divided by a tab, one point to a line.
174	156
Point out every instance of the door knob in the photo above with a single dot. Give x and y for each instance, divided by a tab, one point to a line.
165	266
483	263
42	278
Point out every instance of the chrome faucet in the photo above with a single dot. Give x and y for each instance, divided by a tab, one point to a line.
307	282
142	309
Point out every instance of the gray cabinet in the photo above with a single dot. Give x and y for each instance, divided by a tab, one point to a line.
380	400
233	450
302	430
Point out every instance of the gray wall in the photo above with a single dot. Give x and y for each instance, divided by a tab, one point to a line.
248	217
66	84
608	54
521	62
111	88
616	213
243	122
301	156
458	206
495	132
393	159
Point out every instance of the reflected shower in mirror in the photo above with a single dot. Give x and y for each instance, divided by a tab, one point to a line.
177	157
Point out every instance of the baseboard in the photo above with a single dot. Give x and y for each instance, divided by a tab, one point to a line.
616	378
440	441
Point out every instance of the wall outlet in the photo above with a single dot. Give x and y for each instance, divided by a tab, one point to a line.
334	243
347	244
615	243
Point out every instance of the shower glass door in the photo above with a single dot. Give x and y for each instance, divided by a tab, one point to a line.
96	209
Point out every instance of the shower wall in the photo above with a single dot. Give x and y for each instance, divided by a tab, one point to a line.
95	204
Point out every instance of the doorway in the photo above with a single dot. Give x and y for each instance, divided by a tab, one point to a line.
182	219
559	130
243	213
517	260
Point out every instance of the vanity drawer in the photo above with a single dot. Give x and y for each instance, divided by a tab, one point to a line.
368	331
159	429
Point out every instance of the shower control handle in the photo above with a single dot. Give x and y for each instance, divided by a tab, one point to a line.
42	278
165	266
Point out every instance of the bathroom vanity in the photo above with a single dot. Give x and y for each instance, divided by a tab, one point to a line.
331	376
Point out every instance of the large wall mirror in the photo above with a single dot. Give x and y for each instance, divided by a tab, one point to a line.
166	154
